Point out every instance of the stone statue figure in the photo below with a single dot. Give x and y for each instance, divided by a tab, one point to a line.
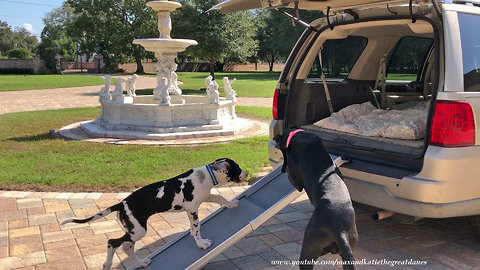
212	90
174	87
161	93
130	85
105	90
208	80
117	94
229	92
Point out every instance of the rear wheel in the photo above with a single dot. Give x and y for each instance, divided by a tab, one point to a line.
476	226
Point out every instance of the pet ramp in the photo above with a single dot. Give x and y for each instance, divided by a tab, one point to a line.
226	226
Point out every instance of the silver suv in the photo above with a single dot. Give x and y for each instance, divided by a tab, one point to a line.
394	87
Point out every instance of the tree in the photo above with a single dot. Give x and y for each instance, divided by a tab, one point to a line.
16	38
277	35
23	39
54	39
110	26
19	53
224	38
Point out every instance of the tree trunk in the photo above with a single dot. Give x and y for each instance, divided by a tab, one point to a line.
270	63
212	69
138	60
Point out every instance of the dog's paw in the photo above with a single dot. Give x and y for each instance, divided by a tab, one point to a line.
233	204
144	263
106	266
204	243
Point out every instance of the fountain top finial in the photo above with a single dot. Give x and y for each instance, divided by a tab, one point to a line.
159	6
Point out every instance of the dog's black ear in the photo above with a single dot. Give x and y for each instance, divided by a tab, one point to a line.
295	178
296	183
220	165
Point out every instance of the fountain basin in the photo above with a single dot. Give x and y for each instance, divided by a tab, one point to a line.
141	113
165	45
163	5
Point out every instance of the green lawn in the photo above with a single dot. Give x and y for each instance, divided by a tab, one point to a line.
402	77
248	84
29	82
31	158
260	112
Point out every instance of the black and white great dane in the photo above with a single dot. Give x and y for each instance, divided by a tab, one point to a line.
332	226
184	192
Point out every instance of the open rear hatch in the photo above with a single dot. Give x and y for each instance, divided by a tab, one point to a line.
230	6
404	155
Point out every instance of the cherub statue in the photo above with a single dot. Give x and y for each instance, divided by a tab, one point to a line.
161	92
174	89
208	80
105	90
130	85
230	94
212	91
117	94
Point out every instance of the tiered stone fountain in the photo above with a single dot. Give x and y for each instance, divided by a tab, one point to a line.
167	114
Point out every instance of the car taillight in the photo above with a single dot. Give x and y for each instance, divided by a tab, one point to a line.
275	104
453	124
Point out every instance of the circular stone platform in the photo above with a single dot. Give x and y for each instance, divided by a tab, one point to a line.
247	128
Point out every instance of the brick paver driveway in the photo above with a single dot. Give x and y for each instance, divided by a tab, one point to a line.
31	238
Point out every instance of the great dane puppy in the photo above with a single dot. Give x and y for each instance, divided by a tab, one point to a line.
332	226
184	192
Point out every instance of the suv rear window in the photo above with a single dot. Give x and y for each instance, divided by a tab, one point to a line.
405	62
338	57
470	51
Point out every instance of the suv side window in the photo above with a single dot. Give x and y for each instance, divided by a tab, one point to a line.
405	62
338	57
470	51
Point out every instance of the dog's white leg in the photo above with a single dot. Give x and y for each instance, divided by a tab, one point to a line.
195	230
129	248
222	201
108	262
113	244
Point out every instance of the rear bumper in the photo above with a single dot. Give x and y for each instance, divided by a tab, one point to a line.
440	190
379	196
275	156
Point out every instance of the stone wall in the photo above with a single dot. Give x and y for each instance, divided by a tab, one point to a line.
34	64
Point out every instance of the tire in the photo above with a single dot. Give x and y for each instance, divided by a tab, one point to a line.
475	220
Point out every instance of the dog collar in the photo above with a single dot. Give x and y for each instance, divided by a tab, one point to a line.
212	175
291	134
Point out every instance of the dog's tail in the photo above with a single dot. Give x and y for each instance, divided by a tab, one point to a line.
345	250
100	214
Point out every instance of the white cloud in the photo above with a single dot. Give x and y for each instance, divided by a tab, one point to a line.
29	28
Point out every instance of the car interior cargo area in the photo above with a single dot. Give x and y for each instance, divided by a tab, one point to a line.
367	87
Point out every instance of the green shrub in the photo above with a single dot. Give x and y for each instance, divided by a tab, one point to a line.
19	53
43	71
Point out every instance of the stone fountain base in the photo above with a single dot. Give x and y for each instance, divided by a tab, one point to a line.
142	118
94	129
143	113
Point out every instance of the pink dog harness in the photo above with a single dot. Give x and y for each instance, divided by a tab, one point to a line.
291	134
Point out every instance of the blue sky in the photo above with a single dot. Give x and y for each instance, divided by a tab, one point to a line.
27	13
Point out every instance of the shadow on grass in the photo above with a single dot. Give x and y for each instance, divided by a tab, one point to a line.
34	138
